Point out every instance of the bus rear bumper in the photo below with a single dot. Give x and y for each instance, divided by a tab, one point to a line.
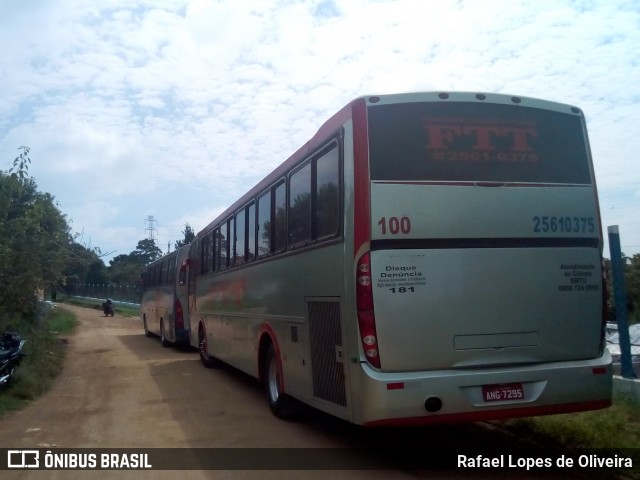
415	398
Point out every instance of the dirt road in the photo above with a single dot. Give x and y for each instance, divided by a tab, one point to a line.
120	389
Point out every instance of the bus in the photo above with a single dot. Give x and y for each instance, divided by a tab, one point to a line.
424	258
163	307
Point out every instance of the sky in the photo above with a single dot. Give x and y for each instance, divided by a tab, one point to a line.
175	108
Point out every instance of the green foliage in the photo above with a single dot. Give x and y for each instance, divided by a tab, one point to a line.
21	164
147	251
38	253
631	285
44	361
34	238
126	269
62	321
83	266
97	273
614	427
189	236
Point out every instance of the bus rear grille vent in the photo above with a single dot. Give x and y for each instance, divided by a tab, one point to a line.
294	333
326	338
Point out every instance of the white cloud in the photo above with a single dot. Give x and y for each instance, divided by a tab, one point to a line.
182	105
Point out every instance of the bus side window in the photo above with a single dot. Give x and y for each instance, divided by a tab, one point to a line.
231	244
223	245
193	266
279	218
241	220
217	253
182	276
264	224
251	233
171	270
327	200
300	206
205	263
211	255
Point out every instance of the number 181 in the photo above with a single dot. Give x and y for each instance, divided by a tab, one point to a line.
402	289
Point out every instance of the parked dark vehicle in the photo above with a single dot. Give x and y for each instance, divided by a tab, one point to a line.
613	344
11	354
107	308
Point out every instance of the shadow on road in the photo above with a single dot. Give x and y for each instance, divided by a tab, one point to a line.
207	402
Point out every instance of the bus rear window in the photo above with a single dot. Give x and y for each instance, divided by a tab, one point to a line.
476	142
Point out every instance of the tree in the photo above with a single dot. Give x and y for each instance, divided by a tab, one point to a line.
125	269
84	266
632	285
97	273
189	236
34	241
147	251
21	163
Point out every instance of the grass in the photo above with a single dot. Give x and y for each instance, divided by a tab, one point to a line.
617	427
62	321
45	353
88	303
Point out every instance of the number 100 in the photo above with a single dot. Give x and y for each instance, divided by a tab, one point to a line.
395	225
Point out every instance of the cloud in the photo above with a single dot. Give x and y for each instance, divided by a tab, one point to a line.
180	106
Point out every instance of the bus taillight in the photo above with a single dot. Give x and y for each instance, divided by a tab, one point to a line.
179	314
366	316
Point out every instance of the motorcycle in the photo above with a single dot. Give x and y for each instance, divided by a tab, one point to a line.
107	308
11	355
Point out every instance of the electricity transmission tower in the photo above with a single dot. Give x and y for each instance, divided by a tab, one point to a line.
151	227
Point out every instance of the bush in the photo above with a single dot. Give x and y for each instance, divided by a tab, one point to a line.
45	354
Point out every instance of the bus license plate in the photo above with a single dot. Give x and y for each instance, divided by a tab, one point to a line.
503	392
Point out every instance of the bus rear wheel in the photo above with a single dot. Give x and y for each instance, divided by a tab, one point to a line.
281	404
163	338
147	333
206	359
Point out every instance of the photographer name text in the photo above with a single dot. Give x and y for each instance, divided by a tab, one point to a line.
528	463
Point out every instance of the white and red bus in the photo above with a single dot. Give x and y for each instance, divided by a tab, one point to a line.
163	307
425	257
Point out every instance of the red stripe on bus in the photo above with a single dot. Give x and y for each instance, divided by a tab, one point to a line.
361	186
492	414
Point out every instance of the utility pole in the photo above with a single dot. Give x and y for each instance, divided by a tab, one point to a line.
151	227
617	269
